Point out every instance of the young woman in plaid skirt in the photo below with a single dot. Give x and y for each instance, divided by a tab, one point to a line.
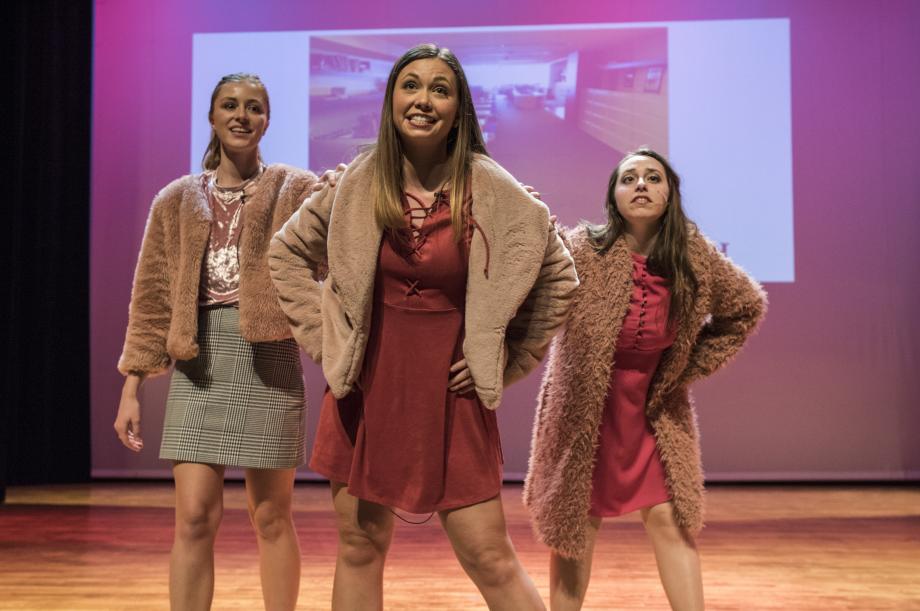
203	299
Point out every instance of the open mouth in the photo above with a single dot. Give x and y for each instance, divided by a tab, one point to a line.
421	120
240	130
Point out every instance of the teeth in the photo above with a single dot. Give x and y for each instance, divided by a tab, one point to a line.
420	120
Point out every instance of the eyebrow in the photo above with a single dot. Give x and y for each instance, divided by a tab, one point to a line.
439	77
230	98
633	171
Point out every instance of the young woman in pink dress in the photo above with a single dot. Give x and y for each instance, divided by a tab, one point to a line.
426	281
658	307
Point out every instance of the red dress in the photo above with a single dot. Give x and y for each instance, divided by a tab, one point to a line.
628	474
404	440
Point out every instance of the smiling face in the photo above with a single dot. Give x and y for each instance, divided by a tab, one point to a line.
641	192
425	103
239	116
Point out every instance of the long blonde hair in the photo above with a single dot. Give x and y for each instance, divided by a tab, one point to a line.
463	141
211	158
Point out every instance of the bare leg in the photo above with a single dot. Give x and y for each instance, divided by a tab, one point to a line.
365	532
199	508
568	577
480	540
677	558
269	493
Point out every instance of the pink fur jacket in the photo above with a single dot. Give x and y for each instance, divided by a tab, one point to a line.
711	330
520	282
163	315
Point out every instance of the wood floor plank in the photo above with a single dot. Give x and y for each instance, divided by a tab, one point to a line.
105	546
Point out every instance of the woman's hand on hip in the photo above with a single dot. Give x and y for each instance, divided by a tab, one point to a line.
461	380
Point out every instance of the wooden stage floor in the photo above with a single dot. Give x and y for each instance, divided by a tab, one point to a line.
104	546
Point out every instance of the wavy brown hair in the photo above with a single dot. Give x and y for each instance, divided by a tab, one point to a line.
463	141
211	158
669	257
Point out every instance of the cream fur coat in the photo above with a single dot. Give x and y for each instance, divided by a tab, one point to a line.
163	315
512	310
558	486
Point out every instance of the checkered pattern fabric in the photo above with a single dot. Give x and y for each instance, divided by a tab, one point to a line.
236	404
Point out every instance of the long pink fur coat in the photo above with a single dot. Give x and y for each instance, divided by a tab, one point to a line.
163	315
728	306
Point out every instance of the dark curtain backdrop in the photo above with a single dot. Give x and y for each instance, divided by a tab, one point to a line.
45	425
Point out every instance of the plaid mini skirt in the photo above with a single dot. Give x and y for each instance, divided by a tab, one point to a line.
238	403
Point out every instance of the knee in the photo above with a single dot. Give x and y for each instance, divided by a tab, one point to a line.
661	524
570	576
270	520
197	521
494	562
364	545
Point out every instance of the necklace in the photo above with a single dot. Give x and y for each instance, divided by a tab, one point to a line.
231	199
227	195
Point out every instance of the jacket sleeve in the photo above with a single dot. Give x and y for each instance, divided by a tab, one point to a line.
543	312
150	310
298	192
297	263
738	305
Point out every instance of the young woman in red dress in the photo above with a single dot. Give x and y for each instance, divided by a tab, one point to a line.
424	282
658	307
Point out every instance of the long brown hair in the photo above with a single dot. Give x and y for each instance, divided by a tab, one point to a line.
463	141
211	158
669	257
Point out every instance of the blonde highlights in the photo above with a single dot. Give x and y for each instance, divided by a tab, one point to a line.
463	141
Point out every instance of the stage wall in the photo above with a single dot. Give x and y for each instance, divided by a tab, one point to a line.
793	125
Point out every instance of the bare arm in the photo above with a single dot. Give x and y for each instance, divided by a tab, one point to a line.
128	420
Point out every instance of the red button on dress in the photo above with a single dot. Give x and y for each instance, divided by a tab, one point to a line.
405	440
628	474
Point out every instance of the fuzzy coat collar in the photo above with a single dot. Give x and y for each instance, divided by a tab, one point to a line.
525	294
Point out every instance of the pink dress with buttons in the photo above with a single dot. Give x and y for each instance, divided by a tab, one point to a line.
628	474
404	440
